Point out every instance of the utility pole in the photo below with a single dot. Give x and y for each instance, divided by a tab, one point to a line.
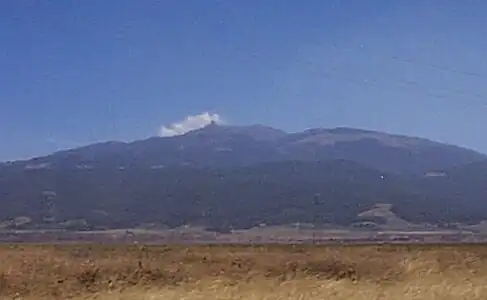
316	202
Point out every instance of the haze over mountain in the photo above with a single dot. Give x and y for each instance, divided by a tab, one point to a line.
241	176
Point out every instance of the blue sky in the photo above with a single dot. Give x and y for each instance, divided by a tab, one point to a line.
77	72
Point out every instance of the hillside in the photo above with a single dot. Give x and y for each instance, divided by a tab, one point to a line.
230	146
333	192
224	177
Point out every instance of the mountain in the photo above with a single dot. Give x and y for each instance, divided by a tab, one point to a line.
241	176
242	197
458	193
213	145
230	146
387	152
334	192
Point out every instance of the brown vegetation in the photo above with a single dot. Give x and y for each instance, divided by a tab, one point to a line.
232	272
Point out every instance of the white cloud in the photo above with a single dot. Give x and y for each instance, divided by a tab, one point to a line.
190	123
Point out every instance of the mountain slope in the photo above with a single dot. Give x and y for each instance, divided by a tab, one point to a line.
274	193
229	146
387	152
334	192
458	193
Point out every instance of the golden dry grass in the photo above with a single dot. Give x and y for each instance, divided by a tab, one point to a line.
243	272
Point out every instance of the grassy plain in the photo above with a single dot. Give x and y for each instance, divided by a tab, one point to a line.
256	272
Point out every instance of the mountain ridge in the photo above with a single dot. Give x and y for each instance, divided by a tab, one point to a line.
224	146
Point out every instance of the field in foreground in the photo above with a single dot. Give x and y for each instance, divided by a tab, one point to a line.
243	272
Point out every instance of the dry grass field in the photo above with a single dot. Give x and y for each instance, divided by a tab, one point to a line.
243	272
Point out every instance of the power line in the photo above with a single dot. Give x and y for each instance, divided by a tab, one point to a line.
439	67
411	86
417	62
